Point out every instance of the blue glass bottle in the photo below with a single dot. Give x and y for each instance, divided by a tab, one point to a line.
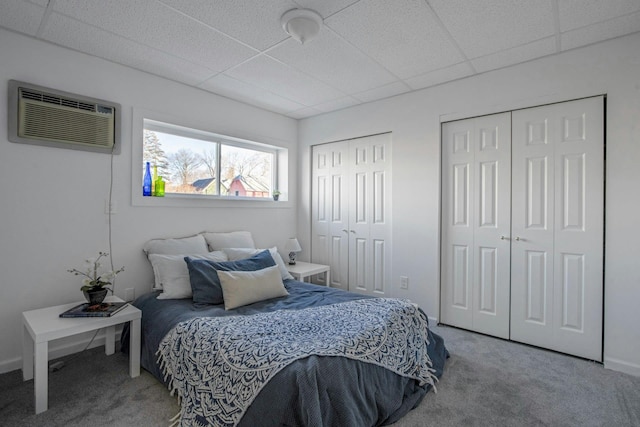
146	183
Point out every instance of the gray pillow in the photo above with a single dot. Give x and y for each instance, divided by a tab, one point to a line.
205	283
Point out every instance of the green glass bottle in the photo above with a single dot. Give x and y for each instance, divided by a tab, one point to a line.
159	187
153	181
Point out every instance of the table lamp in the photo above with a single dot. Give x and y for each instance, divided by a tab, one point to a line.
292	246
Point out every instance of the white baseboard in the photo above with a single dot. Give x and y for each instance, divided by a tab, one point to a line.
60	351
622	366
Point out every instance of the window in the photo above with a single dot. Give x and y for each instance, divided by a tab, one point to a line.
204	164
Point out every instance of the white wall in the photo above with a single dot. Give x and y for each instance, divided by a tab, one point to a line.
611	68
52	200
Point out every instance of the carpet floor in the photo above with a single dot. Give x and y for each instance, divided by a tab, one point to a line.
487	382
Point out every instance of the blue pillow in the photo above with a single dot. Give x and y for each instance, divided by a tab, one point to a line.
205	284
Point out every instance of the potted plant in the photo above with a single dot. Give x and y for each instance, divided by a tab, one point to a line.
276	195
95	284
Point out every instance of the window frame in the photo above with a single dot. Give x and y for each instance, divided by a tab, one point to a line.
144	119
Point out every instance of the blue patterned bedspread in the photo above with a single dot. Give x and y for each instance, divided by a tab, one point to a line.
219	365
313	391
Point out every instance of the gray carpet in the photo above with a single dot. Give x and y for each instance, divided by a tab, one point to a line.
487	382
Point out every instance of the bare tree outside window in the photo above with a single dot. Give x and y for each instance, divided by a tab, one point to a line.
183	167
209	159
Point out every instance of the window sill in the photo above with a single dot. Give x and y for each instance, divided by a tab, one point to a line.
195	201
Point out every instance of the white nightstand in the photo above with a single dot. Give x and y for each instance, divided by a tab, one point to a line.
43	325
300	270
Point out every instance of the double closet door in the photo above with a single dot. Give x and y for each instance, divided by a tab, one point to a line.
523	225
350	219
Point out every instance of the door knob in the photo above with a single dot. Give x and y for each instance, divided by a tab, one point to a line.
504	238
518	238
344	230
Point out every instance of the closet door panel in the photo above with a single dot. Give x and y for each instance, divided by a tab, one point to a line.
558	199
456	273
579	241
491	222
476	164
532	226
330	237
369	226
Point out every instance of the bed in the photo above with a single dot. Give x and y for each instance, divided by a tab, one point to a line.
315	356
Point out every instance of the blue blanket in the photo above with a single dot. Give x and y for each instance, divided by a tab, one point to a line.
316	390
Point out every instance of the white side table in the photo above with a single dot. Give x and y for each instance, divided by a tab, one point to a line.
301	270
43	325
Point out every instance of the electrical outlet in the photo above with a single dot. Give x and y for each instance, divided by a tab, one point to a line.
129	294
404	282
114	207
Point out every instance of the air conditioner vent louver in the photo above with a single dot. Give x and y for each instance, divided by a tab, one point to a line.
54	118
57	100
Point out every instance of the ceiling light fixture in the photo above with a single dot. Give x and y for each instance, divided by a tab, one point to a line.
301	24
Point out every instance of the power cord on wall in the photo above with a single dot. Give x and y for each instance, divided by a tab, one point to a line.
56	366
109	209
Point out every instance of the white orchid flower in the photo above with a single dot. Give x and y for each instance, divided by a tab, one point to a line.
92	275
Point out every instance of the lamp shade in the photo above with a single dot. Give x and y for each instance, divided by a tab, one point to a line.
301	24
292	245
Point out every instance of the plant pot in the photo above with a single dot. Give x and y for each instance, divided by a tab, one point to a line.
276	197
95	296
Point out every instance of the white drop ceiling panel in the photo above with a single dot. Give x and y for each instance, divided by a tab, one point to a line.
601	31
337	104
575	14
482	27
249	21
21	16
153	24
406	39
235	89
443	75
516	55
276	77
383	92
366	49
326	8
85	38
356	71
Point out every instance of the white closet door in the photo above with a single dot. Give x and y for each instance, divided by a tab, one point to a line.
456	254
492	221
330	210
369	210
476	224
557	227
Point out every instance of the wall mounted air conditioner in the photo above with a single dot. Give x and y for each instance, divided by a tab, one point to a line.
44	116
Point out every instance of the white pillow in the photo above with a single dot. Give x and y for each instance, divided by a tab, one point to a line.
186	245
172	274
246	287
233	239
235	254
